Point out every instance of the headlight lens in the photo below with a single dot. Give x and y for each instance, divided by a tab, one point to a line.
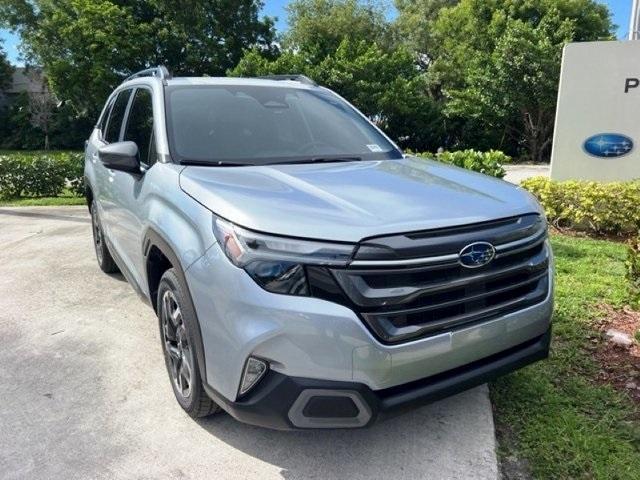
277	263
279	277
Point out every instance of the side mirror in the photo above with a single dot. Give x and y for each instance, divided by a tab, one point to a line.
121	156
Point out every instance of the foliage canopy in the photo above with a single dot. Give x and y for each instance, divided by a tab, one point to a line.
497	64
88	46
479	74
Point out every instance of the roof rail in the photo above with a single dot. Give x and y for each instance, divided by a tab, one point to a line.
293	77
160	72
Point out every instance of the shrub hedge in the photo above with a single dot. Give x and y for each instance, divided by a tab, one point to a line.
41	174
489	163
633	267
611	208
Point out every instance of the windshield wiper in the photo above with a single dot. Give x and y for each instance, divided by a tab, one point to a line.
325	160
214	163
226	163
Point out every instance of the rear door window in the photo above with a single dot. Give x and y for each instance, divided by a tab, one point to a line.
139	127
112	132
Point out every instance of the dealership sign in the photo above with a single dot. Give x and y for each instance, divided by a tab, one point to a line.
597	121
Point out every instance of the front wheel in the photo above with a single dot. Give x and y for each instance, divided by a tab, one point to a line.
177	321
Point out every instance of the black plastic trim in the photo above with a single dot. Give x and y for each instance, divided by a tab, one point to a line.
268	404
397	400
449	240
151	239
330	406
385	329
371	298
126	272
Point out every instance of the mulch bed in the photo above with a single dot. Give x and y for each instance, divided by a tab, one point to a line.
570	232
620	365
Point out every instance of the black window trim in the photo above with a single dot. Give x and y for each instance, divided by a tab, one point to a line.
125	121
126	112
104	115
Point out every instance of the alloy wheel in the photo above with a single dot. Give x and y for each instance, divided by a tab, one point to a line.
97	234
176	344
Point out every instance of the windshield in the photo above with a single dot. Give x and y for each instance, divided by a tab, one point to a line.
260	125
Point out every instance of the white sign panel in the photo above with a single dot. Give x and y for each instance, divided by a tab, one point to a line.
597	131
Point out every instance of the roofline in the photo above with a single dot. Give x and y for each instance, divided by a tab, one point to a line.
161	73
291	77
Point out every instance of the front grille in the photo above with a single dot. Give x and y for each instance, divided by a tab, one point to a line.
412	285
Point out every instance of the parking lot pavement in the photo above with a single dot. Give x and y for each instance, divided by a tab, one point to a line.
85	395
518	173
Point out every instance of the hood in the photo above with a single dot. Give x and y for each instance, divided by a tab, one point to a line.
355	200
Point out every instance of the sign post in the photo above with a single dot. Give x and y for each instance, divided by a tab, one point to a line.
634	21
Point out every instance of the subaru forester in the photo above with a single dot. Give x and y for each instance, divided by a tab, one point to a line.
305	272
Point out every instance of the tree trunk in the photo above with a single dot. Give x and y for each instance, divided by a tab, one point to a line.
538	133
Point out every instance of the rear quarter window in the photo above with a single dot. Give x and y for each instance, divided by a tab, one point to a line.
102	121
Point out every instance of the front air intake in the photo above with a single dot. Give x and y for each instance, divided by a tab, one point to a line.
316	408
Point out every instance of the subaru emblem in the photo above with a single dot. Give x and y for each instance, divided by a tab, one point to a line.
476	254
608	145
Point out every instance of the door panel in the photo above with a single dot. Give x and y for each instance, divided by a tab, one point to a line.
128	211
105	177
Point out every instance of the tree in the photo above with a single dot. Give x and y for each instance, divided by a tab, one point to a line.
6	70
497	63
415	22
87	47
5	79
318	27
42	108
17	131
65	129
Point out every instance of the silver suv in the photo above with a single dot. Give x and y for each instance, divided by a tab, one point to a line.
306	273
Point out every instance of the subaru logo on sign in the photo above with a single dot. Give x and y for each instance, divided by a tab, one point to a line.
608	145
476	254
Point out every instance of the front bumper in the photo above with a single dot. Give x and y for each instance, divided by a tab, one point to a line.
321	341
282	402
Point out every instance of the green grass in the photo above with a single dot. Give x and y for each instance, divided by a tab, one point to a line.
36	152
66	198
43	201
552	413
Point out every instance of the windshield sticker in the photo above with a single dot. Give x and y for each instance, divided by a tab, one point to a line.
374	147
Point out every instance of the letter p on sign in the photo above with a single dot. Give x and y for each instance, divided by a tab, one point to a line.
630	83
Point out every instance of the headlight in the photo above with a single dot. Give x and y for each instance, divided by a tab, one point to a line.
277	263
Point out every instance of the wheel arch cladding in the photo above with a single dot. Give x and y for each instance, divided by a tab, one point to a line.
159	257
157	263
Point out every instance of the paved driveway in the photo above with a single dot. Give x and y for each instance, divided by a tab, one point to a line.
518	173
84	392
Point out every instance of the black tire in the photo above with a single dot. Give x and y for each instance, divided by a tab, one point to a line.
105	260
177	322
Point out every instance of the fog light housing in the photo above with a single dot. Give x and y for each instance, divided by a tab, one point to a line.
253	372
